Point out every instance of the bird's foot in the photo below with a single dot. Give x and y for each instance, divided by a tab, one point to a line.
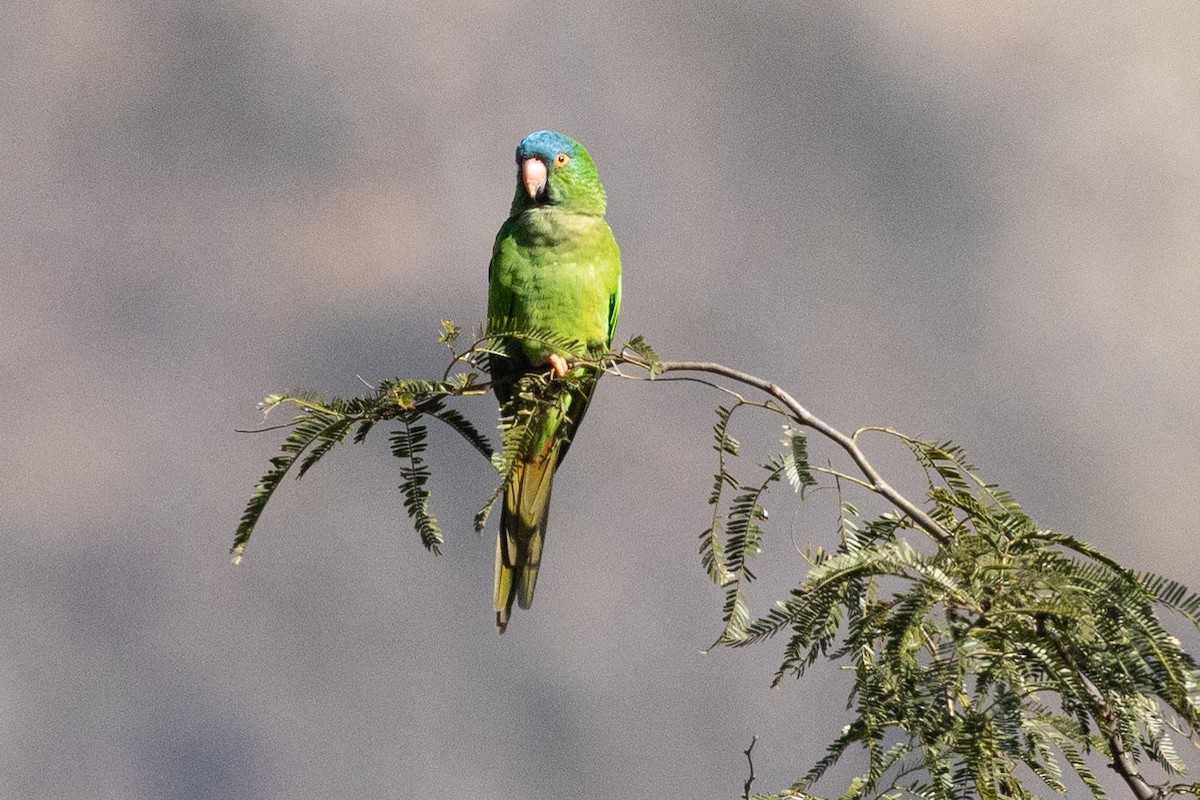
559	365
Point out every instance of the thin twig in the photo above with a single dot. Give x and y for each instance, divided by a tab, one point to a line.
267	429
750	761
803	416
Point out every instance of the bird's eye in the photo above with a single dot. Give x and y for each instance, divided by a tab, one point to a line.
561	160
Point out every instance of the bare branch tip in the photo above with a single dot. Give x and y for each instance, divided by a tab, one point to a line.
750	761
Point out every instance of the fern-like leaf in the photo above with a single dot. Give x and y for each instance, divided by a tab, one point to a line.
798	470
465	428
407	444
645	352
314	433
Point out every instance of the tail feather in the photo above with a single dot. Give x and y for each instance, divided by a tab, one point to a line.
522	534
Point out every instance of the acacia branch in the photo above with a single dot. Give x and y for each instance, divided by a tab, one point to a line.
1122	759
802	416
1123	762
394	401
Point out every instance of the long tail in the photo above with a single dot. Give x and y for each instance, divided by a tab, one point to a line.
522	533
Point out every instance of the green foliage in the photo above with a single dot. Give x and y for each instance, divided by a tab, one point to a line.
647	358
986	653
407	443
518	426
795	460
321	424
1006	647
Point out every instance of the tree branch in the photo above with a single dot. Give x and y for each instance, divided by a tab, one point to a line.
320	426
803	416
1123	763
1122	759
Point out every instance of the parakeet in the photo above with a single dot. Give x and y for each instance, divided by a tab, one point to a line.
555	267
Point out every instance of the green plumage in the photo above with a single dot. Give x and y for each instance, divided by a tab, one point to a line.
555	268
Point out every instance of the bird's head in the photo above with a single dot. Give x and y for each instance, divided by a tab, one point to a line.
556	170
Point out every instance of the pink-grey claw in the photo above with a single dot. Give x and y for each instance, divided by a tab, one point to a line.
559	365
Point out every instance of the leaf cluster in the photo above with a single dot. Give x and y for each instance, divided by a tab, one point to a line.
984	649
321	424
1007	650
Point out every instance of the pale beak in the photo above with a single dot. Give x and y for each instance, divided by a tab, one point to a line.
533	175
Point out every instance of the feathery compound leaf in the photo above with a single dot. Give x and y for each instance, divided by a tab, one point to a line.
504	334
712	556
956	647
517	433
449	334
319	430
466	429
795	460
645	352
743	542
712	545
334	433
1173	595
322	424
407	443
725	443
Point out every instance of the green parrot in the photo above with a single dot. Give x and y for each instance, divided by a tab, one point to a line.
556	268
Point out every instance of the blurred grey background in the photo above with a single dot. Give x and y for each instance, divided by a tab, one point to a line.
969	221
